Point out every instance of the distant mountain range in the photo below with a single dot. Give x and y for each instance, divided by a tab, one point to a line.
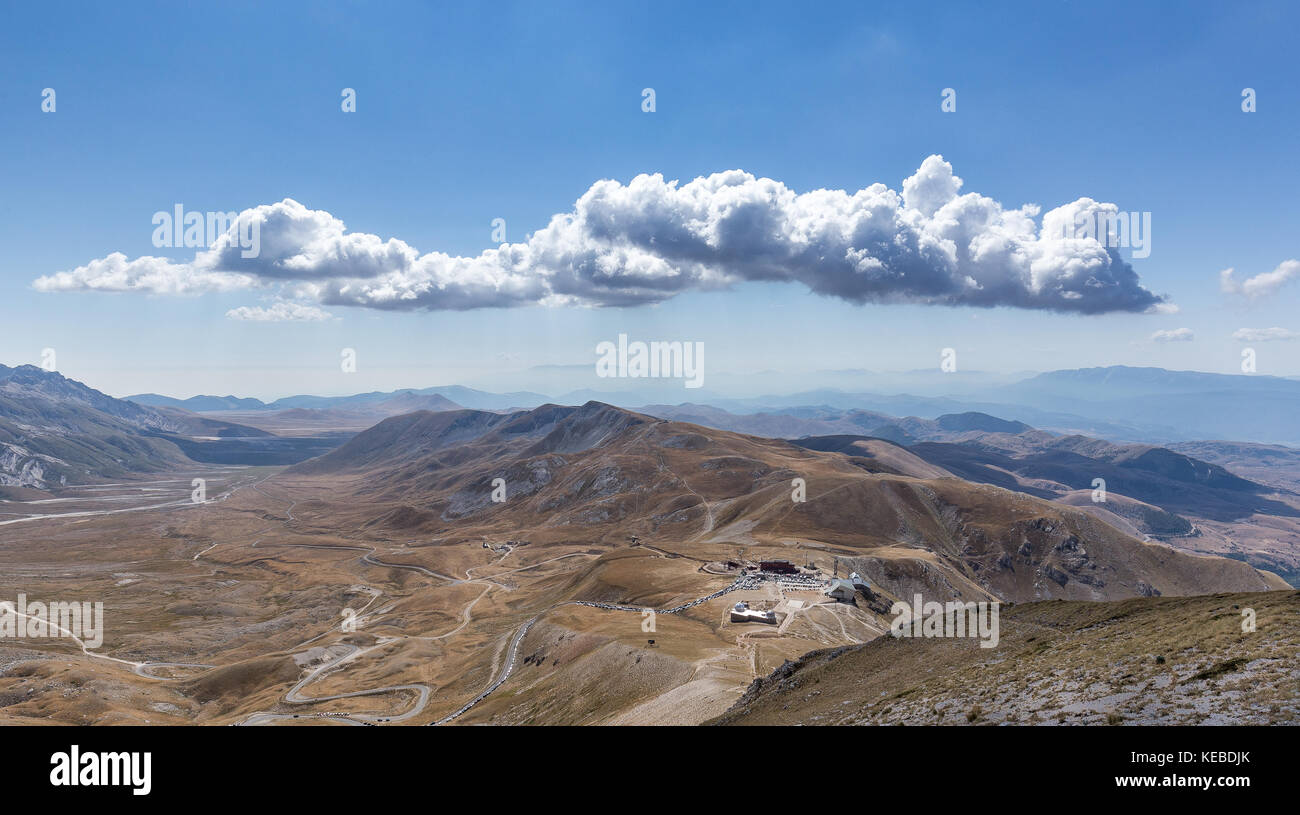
55	430
452	396
1118	403
1240	407
198	403
799	422
1234	498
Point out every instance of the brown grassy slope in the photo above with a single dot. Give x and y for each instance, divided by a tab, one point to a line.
1161	660
600	474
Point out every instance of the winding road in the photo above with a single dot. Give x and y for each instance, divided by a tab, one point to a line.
347	653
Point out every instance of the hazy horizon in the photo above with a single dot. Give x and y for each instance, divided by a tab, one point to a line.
914	382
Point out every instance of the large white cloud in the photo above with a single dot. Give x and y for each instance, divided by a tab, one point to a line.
650	239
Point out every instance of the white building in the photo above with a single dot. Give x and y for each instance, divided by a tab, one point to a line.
841	589
742	613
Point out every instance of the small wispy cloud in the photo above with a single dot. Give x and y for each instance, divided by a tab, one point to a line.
1264	334
279	313
1262	284
1173	335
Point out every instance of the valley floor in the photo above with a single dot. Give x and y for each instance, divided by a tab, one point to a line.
255	609
275	603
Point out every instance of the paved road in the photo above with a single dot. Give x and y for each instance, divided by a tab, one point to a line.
512	654
295	696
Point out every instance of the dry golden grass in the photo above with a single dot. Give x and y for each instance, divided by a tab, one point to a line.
1181	660
253	584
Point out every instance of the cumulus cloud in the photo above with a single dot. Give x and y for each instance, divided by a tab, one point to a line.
1173	335
1262	284
144	274
279	313
1264	334
651	239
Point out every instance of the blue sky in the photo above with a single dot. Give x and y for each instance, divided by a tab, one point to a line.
471	112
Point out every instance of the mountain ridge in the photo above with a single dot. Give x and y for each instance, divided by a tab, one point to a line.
600	472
